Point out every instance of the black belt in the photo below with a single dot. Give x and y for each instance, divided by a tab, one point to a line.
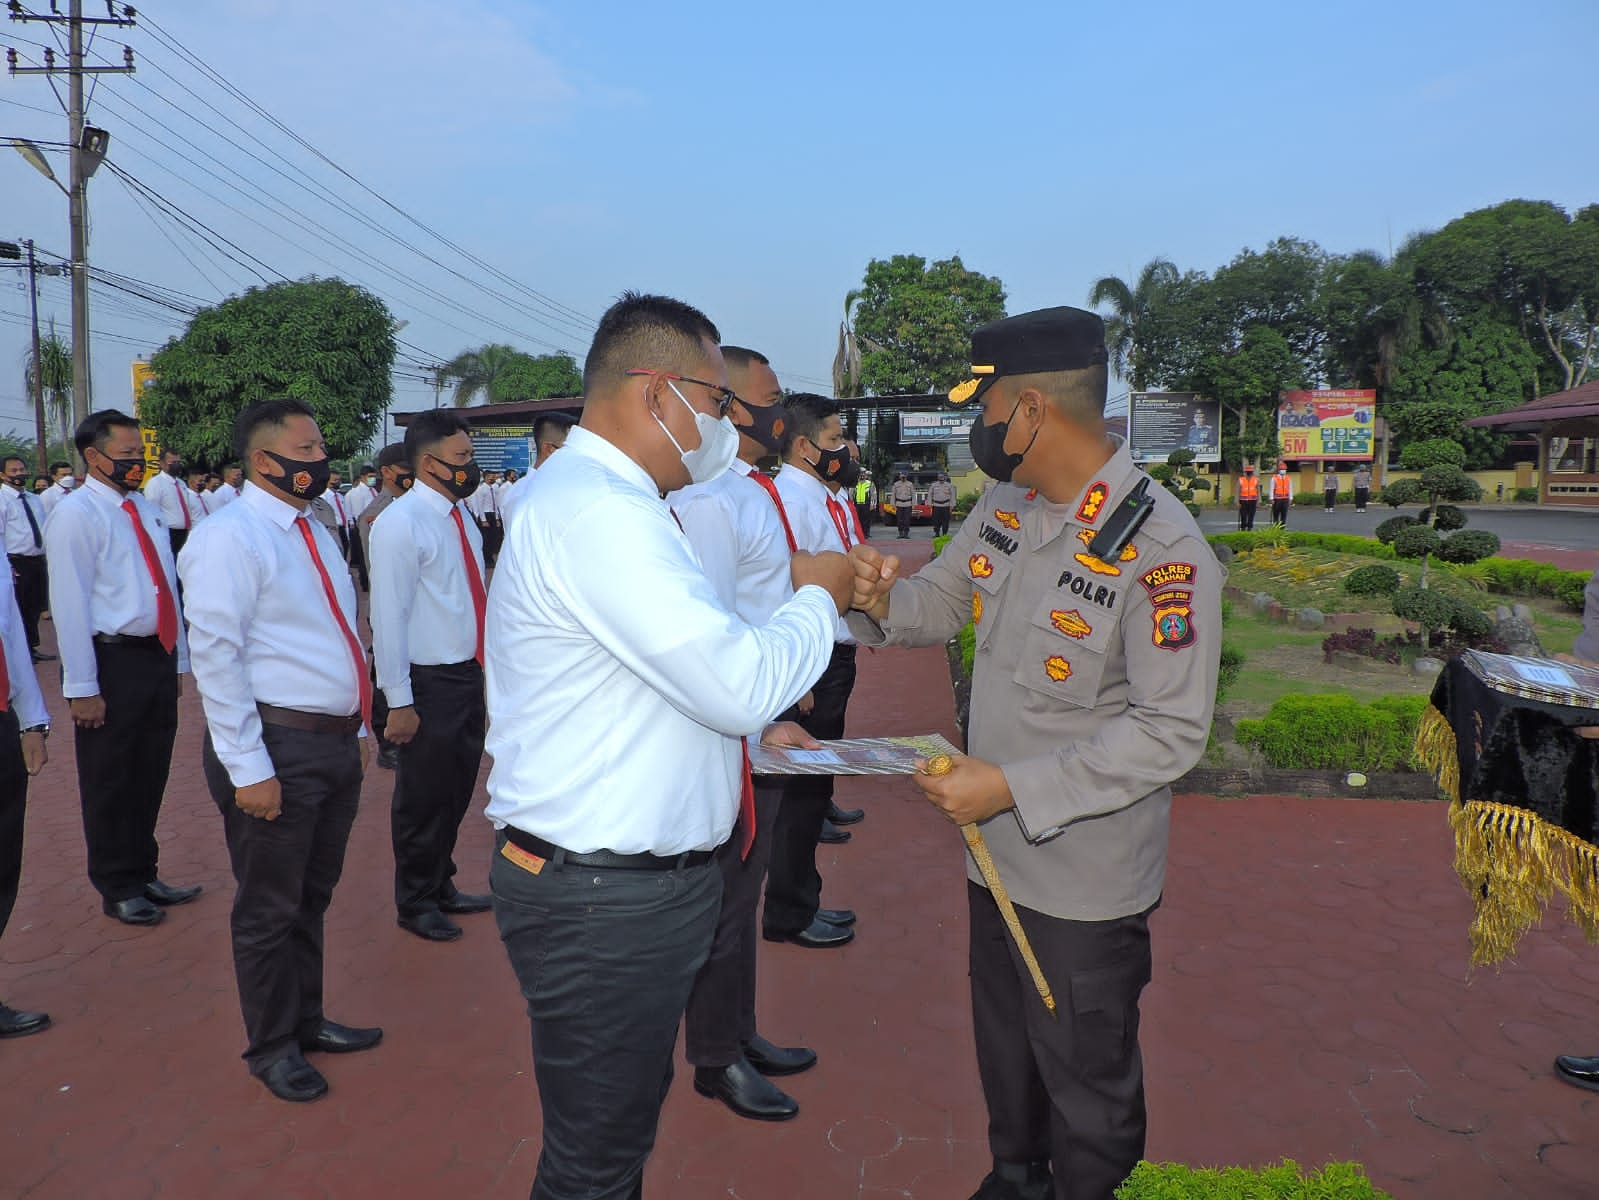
293	718
557	855
149	641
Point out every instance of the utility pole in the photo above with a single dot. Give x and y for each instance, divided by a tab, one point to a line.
38	362
88	148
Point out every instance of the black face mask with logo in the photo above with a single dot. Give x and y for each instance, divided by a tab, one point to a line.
126	473
830	464
304	479
462	481
766	427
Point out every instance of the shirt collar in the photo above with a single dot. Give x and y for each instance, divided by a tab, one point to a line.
98	487
431	499
591	445
805	479
278	512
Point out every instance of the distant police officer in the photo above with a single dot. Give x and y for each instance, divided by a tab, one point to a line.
1282	495
1093	685
903	494
941	495
1248	497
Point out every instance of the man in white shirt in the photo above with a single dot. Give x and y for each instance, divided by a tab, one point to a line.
218	493
233	479
172	500
113	598
428	605
285	688
394	471
484	505
364	492
24	726
61	485
549	435
620	687
200	506
814	454
23	519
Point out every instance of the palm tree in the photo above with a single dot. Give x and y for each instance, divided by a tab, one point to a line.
847	361
1129	306
55	376
474	371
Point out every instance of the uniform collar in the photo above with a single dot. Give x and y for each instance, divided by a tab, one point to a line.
279	512
430	499
804	479
587	444
95	486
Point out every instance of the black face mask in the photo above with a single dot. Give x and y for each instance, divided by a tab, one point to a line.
461	481
17	481
767	425
175	470
830	464
125	473
303	479
404	482
851	474
987	443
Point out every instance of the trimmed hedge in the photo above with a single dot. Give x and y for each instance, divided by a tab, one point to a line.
1336	732
1414	541
1336	543
1523	577
1388	530
1285	1181
1468	546
1378	579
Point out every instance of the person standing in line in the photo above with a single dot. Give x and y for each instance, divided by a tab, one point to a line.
360	495
941	495
865	503
200	505
1282	495
334	513
484	506
61	485
113	598
24	727
606	639
903	494
428	605
233	479
170	497
217	492
1248	497
1329	486
395	478
363	493
284	684
23	518
814	454
549	433
1362	487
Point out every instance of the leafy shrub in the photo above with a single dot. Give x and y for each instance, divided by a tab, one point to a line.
1389	529
1173	1181
1469	621
940	542
1306	499
1232	666
1468	546
1376	580
1526	495
1572	592
1160	472
968	644
1414	541
965	502
1364	642
1523	577
1330	731
1427	608
1337	543
1200	484
1449	517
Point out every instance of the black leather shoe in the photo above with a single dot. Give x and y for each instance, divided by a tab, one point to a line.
389	758
746	1091
432	925
466	902
134	911
842	917
16	1022
778	1060
845	816
818	935
295	1080
1017	1181
1579	1072
832	834
334	1038
159	893
41	656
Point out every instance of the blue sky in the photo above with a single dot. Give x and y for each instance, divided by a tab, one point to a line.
752	158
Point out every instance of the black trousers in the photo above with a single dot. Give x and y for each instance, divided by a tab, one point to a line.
123	765
721	1008
864	511
1331	498
434	781
1246	513
941	519
793	884
1067	1088
13	808
1361	496
357	555
177	537
605	959
33	592
493	539
902	513
286	870
1279	513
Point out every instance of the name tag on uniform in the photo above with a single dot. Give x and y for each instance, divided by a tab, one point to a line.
531	863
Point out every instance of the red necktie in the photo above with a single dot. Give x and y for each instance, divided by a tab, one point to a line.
339	504
363	681
480	600
166	611
184	504
746	803
836	511
765	481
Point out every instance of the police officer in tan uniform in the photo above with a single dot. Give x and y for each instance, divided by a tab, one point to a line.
1098	613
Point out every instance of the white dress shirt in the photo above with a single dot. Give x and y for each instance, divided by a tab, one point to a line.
805	500
734	528
261	627
513	496
484	503
200	506
54	495
27	701
19	534
220	495
421	599
360	496
618	685
163	491
99	581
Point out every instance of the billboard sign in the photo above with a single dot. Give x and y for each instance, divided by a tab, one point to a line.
504	448
931	428
1159	423
1327	424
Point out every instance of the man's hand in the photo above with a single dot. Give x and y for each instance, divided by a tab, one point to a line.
88	712
874	575
827	570
262	800
403	725
972	791
788	734
807	704
34	754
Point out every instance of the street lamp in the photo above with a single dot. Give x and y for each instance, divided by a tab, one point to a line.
37	161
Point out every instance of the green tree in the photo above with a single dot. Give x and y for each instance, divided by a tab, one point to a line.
1127	325
1181	478
536	377
1247	381
915	322
1280	288
1484	366
55	377
475	372
325	342
1441	463
847	358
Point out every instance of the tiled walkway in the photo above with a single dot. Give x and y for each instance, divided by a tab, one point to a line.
1310	1000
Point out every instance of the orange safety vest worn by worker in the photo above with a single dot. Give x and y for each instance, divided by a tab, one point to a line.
1279	487
1248	488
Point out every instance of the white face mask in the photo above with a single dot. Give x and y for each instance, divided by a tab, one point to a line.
68	482
718	442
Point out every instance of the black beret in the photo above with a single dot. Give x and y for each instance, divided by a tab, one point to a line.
1048	339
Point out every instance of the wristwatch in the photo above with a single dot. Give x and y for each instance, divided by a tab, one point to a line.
44	729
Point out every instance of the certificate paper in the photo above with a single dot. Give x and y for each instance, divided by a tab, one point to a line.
850	756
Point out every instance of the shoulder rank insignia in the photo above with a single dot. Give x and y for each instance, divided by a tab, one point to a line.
977	608
1088	510
980	565
1057	668
1173	617
1071	623
1008	519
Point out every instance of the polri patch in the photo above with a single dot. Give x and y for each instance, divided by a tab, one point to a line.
1057	668
1173	616
1088	510
531	863
977	608
980	565
1008	519
1070	623
1167	574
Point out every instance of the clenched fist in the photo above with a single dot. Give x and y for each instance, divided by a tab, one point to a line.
826	570
874	576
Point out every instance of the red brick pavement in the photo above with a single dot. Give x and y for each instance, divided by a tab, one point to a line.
1310	999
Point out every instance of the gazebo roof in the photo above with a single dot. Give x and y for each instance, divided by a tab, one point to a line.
1578	403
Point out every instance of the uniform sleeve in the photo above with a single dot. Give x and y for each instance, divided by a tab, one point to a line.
639	592
73	543
393	567
1160	735
928	608
221	582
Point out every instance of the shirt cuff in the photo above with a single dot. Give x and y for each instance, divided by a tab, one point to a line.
77	689
253	766
865	630
400	695
1033	785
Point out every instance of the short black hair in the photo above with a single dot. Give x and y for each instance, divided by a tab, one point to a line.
738	357
13	458
807	413
559	422
60	466
656	332
265	414
392	455
366	469
430	428
96	431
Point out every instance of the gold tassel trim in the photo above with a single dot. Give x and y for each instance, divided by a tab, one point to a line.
1436	750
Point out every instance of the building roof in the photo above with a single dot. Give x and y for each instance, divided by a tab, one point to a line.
1575	404
518	412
